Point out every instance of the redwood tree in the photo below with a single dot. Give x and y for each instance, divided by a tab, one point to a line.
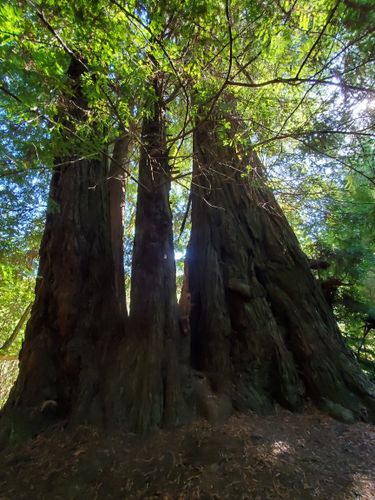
76	313
145	385
261	328
117	181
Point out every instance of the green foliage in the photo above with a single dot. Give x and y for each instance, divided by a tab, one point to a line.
335	223
17	292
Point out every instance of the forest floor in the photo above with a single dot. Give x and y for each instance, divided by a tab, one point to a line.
287	456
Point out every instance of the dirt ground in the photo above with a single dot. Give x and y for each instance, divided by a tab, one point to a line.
287	456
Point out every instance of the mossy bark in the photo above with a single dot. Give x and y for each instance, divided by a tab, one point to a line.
261	328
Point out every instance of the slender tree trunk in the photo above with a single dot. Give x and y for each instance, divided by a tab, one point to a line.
17	329
76	313
149	370
116	181
261	328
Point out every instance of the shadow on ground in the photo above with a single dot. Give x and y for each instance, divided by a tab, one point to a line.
250	457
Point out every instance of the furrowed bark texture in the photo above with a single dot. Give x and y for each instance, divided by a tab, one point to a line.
76	313
261	328
149	372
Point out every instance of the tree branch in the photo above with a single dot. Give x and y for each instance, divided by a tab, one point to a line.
329	19
297	81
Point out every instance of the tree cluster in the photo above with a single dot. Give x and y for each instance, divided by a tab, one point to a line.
145	110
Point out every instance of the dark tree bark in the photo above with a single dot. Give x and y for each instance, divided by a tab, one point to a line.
148	359
76	312
261	328
117	180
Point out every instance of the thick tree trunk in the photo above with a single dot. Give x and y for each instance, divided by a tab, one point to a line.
76	312
149	371
261	328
